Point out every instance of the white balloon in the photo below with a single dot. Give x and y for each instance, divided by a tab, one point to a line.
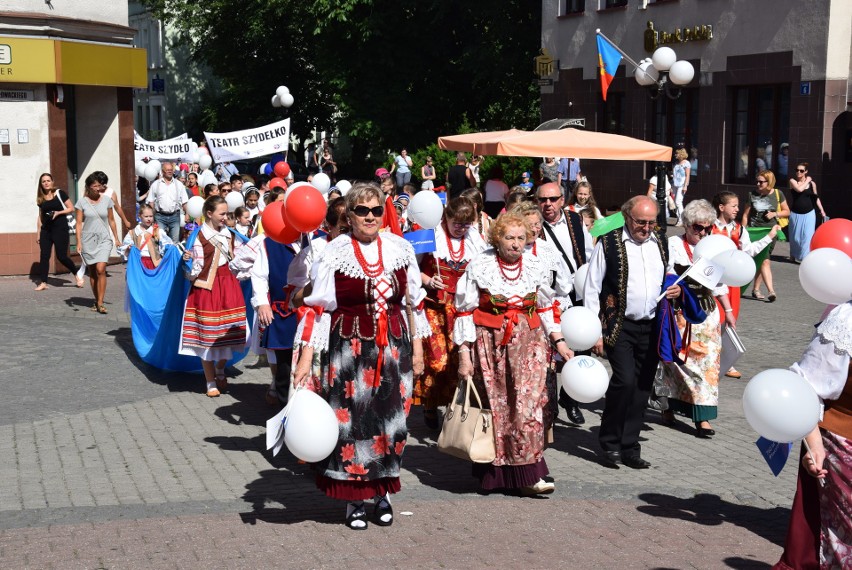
234	200
585	379
739	267
140	168
205	161
780	405
321	182
826	275
206	177
344	186
262	168
202	150
276	101
580	280
712	245
195	156
156	163
581	328
151	172
287	100
311	430
281	91
426	210
195	207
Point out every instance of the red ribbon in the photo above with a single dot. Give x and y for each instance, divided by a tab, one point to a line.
557	312
381	344
309	314
511	316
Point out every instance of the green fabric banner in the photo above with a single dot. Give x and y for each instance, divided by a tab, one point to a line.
607	224
757	234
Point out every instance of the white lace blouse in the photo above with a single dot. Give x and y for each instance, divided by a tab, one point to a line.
554	261
825	363
483	274
339	257
220	239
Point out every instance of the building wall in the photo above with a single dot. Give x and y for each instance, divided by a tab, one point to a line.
112	11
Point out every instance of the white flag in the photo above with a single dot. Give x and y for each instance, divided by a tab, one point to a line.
704	271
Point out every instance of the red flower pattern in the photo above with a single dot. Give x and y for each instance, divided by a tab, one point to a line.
342	415
398	447
356	469
381	444
356	347
347	452
370	380
332	374
407	405
395	353
402	389
350	389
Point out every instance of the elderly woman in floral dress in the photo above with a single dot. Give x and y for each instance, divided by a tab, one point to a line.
366	287
458	242
504	304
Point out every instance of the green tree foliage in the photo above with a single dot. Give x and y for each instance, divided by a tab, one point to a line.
389	74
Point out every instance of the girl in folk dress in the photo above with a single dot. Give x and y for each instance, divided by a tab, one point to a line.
361	286
214	318
504	305
458	242
147	238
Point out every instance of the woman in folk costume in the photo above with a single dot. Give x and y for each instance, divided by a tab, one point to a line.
214	318
504	303
692	381
147	238
458	241
366	289
727	207
820	531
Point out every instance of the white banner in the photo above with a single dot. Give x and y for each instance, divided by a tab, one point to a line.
250	143
175	148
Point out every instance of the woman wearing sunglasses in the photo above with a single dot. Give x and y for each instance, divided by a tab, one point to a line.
765	208
359	316
692	385
803	213
458	242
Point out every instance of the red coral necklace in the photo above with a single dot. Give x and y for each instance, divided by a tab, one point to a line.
510	268
371	270
455	255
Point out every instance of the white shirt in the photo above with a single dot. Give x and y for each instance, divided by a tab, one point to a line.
167	197
496	191
653	181
746	245
644	277
825	363
222	238
560	228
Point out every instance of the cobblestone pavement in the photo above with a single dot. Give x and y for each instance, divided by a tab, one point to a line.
107	463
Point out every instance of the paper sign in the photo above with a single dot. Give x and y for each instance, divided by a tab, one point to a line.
275	431
774	453
423	241
23	136
732	348
706	272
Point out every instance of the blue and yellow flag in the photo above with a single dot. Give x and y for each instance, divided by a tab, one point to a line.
608	60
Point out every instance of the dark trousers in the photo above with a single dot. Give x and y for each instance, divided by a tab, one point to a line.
634	361
55	236
284	359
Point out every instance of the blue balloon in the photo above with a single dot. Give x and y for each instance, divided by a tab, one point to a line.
276	158
268	169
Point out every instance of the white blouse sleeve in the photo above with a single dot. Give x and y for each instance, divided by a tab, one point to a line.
244	258
544	300
422	329
260	280
197	259
750	247
164	241
324	297
299	272
467	299
823	368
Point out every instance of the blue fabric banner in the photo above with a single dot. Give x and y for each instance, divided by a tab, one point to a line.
423	241
774	453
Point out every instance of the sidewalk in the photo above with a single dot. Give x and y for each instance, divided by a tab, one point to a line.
111	464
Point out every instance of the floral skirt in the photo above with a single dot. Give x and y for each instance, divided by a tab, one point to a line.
371	412
514	377
835	503
439	380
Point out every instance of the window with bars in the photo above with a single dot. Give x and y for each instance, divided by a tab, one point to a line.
572	7
676	123
614	3
760	126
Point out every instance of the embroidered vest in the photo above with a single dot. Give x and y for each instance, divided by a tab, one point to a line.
838	413
152	242
451	272
281	331
578	240
735	235
207	276
355	313
613	296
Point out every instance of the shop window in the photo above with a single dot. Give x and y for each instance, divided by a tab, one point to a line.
614	4
612	113
676	123
572	7
760	127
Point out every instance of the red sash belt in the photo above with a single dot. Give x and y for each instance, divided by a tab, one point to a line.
311	313
494	320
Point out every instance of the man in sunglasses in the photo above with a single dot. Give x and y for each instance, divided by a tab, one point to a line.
626	273
567	232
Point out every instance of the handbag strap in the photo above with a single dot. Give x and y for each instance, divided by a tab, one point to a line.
469	386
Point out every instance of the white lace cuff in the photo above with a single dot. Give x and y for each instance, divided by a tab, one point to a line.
464	330
320	330
547	323
422	328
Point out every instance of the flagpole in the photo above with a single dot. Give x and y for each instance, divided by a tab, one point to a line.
618	49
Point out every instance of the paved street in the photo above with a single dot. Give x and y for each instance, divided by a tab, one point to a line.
107	463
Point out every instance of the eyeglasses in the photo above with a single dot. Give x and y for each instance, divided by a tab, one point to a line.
801	170
362	211
643	223
461	226
761	181
546	199
698	228
384	176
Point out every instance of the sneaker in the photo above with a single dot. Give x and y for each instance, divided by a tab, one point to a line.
541	488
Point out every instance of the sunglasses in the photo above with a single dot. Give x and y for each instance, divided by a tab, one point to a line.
362	211
643	223
761	181
801	170
698	228
546	199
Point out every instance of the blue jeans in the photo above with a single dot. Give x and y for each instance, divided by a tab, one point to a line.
169	223
402	178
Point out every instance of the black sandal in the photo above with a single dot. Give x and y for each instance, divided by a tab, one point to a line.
358	514
383	508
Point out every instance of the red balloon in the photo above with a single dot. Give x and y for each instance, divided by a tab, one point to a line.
281	169
835	233
275	226
305	208
277	183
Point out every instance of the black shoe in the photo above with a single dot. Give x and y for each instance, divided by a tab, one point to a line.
575	415
635	462
383	508
357	514
611	458
703	433
430	418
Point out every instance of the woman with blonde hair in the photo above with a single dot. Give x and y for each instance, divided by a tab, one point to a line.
765	208
680	180
54	205
504	303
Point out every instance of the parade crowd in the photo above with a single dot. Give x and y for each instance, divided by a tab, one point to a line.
352	313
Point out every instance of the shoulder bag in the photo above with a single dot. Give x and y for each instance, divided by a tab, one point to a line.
468	432
783	222
72	218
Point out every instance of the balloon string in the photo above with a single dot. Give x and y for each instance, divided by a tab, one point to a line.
811	455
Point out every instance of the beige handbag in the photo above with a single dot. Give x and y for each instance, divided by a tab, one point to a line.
468	432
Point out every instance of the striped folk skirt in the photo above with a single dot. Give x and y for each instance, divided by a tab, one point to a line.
214	321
